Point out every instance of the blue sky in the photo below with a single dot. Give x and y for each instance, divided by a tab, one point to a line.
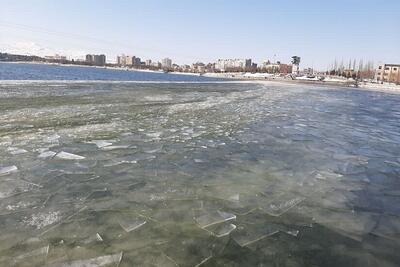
188	31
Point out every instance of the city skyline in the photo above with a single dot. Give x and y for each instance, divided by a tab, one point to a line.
206	31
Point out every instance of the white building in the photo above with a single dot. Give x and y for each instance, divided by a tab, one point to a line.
166	63
227	64
124	60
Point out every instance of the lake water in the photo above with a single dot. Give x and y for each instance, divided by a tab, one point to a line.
21	71
198	174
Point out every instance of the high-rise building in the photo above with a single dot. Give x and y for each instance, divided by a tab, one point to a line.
89	58
148	62
136	61
124	60
98	60
166	63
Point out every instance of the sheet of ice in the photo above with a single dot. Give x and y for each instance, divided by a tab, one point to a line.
248	234
46	154
68	156
8	170
94	238
93	262
221	230
130	224
16	151
281	204
101	143
110	147
207	218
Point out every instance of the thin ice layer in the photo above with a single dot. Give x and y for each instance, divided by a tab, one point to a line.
249	234
207	218
68	156
8	170
93	262
131	224
281	204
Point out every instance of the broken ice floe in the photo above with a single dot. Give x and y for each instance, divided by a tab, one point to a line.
101	143
68	156
323	175
206	218
107	148
46	154
93	262
130	224
8	170
281	204
16	151
249	234
221	230
94	238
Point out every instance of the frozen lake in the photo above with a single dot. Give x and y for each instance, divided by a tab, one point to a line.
198	174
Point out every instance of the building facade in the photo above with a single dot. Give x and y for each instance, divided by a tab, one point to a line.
124	60
388	73
98	60
232	64
166	63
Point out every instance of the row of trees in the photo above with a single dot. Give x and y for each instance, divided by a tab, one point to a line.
356	70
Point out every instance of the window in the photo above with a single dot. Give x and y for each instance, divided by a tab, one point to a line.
380	67
387	68
394	68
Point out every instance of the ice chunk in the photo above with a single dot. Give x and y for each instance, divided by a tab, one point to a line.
95	238
282	204
107	148
16	151
93	262
47	154
8	170
252	233
220	230
68	156
323	175
101	143
291	232
205	219
130	224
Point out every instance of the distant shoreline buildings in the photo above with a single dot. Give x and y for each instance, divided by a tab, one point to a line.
96	60
388	73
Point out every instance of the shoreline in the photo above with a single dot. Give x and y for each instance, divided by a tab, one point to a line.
224	78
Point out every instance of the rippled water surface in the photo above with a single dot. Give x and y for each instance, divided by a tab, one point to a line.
26	71
231	174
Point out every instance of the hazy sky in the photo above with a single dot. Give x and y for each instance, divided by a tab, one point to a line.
205	30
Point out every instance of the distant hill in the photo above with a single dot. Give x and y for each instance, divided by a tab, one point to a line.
5	57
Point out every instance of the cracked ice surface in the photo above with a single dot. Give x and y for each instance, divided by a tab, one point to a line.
219	174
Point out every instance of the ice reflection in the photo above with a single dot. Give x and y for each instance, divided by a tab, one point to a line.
198	175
